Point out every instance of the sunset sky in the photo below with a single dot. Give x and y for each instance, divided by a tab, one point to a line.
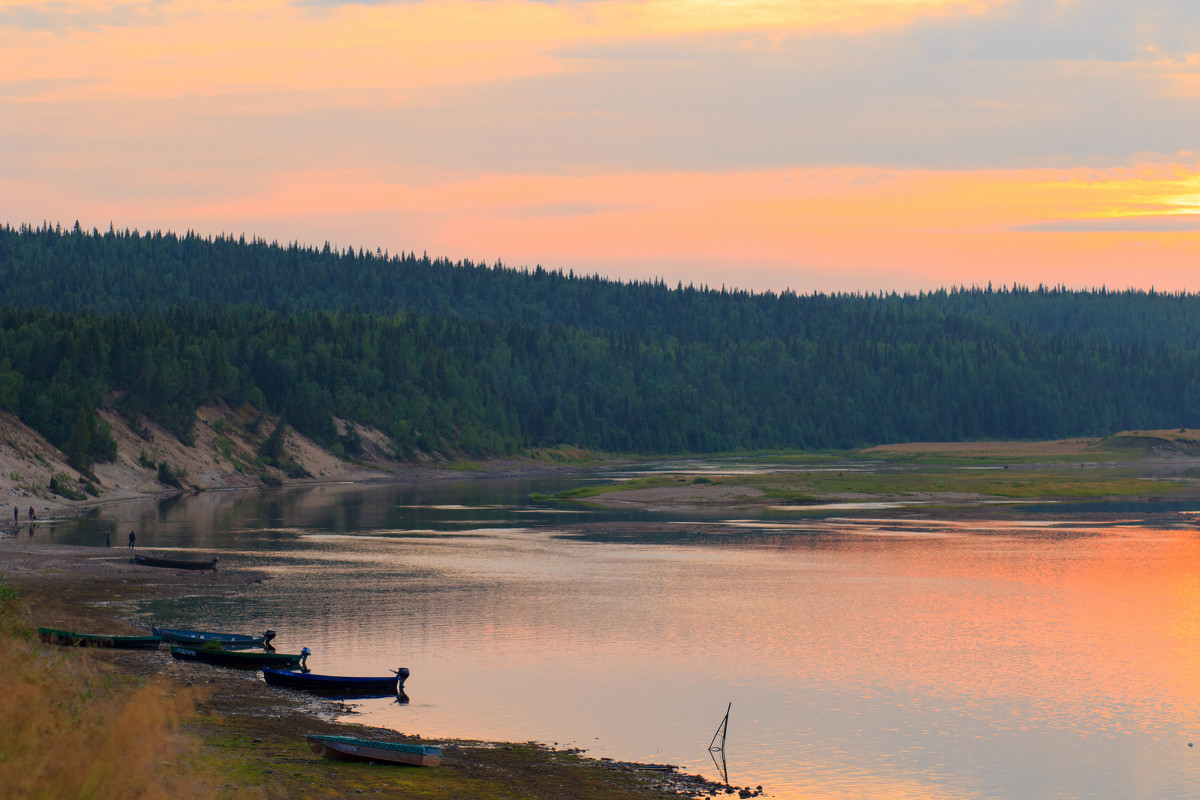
817	145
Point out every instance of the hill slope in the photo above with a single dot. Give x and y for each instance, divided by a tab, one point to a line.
223	455
470	359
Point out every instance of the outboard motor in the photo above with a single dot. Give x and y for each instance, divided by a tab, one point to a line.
401	677
268	635
304	654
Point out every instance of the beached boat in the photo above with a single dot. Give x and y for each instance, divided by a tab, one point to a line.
241	659
347	748
174	563
230	641
55	636
339	685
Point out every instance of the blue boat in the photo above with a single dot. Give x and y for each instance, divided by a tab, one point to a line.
337	685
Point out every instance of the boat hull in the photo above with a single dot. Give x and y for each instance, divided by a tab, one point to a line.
346	748
236	659
332	684
55	636
174	563
227	640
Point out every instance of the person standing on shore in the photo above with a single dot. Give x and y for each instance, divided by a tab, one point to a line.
31	514
132	539
16	515
107	539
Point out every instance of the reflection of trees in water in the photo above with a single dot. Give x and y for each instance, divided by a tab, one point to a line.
167	504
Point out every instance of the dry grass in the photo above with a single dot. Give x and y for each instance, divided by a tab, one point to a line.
75	729
1178	440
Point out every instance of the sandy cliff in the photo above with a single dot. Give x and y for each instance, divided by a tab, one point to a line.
224	454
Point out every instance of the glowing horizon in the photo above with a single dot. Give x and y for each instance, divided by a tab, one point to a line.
865	145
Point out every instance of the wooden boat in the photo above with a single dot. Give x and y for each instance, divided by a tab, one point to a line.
55	636
215	654
338	685
347	748
230	641
174	563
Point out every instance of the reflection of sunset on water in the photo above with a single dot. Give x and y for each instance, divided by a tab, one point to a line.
902	656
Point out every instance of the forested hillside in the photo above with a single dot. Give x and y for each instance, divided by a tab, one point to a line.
125	272
477	359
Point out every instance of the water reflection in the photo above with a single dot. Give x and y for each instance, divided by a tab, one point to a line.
885	657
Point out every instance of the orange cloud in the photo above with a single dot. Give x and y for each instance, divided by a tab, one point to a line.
190	47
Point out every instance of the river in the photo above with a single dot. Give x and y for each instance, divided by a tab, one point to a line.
1036	654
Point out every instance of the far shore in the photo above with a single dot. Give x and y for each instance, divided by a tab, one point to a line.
51	508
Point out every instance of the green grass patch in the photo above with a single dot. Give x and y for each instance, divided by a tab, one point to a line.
649	482
1007	483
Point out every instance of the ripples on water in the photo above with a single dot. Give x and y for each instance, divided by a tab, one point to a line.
864	657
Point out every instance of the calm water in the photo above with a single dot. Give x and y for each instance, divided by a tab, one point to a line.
1041	657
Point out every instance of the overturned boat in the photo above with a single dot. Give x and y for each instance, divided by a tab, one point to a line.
347	748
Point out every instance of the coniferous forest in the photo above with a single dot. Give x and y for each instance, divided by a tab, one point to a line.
486	359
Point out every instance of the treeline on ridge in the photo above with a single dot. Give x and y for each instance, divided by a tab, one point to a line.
476	359
126	272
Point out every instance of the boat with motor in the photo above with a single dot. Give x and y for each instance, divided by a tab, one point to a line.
217	655
230	641
337	685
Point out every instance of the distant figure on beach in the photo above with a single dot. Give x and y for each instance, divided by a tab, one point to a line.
132	539
16	515
107	539
31	514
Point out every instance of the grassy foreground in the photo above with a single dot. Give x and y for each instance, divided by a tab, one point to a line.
74	726
91	723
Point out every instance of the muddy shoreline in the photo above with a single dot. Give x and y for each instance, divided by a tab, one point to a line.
257	732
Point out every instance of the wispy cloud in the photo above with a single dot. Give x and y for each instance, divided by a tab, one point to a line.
560	210
1161	223
1081	31
41	87
59	16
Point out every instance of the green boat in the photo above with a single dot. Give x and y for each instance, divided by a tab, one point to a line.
347	748
55	636
242	659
